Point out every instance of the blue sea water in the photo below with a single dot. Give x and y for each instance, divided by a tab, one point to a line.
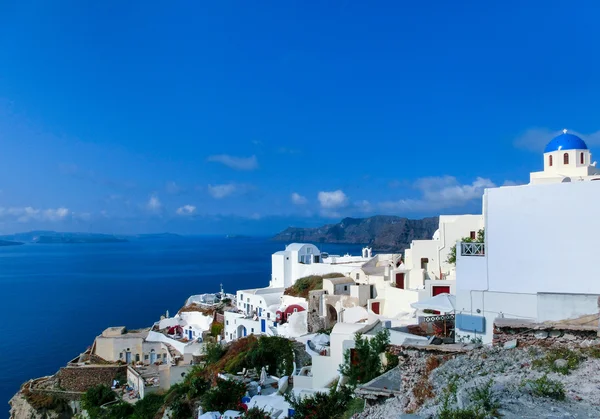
55	299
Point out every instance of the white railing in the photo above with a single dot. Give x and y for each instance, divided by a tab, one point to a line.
472	249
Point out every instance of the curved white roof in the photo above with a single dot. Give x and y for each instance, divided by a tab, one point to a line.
297	246
347	328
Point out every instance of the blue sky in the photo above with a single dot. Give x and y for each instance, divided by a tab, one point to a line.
245	117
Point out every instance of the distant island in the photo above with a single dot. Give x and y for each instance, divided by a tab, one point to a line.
53	237
10	243
382	232
78	239
157	236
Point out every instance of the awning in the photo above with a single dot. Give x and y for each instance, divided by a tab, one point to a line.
441	302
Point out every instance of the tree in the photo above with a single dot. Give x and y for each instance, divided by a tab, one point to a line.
256	413
273	352
95	397
214	352
226	395
330	405
479	239
363	363
117	411
148	406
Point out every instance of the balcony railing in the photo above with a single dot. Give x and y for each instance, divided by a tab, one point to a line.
472	249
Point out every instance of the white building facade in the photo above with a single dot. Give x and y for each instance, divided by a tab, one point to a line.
538	259
299	260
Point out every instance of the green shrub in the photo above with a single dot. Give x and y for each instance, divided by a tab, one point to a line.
181	408
214	352
331	405
480	239
392	361
365	364
148	406
95	397
117	411
273	352
256	413
236	364
483	402
43	402
592	352
333	275
226	395
548	361
484	399
216	329
354	406
546	387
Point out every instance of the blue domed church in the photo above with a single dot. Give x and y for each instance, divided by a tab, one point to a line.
566	159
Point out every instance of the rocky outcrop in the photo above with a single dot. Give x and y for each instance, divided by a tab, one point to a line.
508	382
382	232
27	405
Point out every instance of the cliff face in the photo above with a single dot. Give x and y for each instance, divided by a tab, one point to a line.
382	232
21	408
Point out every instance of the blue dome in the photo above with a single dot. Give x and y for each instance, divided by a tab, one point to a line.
565	142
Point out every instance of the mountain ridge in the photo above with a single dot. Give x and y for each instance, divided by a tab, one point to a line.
382	232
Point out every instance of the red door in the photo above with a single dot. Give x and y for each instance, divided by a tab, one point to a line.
400	280
375	307
440	290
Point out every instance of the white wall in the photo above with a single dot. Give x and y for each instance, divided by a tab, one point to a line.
565	306
471	272
278	269
543	238
397	301
361	292
159	337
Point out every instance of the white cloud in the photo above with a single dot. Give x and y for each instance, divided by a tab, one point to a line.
186	210
364	206
440	193
154	204
534	139
298	199
237	163
173	188
221	191
26	214
333	199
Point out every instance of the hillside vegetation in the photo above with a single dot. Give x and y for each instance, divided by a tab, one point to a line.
303	286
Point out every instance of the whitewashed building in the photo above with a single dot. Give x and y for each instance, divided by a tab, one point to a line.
256	314
299	260
566	159
424	273
538	259
258	309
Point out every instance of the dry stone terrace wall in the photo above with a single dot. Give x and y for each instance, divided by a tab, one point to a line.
551	336
80	379
315	321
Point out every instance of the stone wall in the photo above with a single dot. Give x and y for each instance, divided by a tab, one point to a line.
82	378
315	320
540	336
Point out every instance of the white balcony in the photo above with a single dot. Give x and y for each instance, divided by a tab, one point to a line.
472	249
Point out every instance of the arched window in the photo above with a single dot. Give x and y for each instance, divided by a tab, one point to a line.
581	158
566	158
550	161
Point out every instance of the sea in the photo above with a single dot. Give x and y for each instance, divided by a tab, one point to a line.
56	298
